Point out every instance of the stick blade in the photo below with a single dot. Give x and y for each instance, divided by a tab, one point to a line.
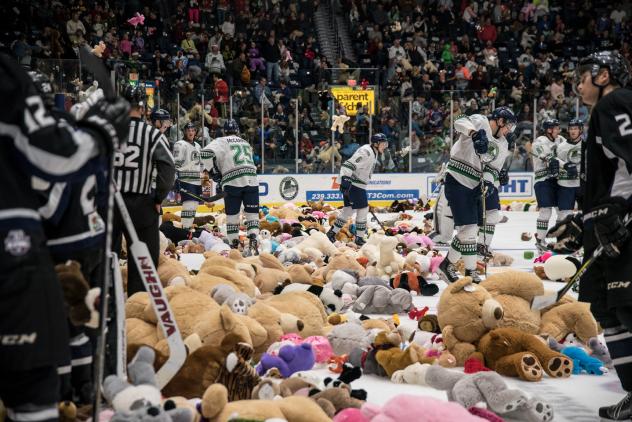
166	318
541	302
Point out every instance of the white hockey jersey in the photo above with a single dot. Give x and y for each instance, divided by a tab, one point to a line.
569	152
231	157
359	167
465	165
545	149
188	162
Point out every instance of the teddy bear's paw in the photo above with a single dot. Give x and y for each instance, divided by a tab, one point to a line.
530	368
560	366
540	410
515	404
240	307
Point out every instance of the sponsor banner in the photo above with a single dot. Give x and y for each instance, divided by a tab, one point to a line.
382	190
350	96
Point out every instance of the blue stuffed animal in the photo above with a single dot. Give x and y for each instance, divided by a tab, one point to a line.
583	362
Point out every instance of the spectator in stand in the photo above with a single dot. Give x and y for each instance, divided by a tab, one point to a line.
215	61
188	45
72	26
488	32
272	55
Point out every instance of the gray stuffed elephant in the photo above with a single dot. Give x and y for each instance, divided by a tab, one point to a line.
141	401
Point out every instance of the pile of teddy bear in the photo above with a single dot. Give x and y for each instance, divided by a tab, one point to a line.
256	327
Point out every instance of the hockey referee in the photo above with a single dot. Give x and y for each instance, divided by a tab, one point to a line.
147	149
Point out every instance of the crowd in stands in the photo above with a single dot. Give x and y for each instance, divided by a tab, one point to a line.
265	54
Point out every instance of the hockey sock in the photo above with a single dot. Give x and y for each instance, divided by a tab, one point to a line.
342	219
188	213
81	355
543	222
232	228
486	234
252	223
619	342
466	241
33	412
361	221
562	214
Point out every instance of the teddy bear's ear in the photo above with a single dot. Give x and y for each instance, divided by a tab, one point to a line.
227	318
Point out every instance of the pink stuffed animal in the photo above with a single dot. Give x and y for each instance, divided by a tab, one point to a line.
543	258
320	345
407	407
414	239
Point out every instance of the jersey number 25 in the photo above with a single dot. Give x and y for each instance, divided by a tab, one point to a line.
242	154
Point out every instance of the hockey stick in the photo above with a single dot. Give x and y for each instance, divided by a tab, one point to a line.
378	220
119	298
160	304
215	197
542	301
95	66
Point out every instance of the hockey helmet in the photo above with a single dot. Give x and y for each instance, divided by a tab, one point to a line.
189	125
379	138
576	123
231	127
43	87
135	95
504	113
550	123
160	114
617	65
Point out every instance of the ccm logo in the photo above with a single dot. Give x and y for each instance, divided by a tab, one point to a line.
18	339
156	293
618	285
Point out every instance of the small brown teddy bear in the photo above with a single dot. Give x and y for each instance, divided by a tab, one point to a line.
513	353
78	297
238	375
392	358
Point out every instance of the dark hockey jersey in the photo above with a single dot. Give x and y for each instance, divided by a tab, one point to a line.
607	152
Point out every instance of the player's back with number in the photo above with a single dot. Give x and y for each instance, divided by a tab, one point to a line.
234	160
146	149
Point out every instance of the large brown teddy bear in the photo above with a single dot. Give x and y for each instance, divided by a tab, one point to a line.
342	261
204	282
172	272
216	408
213	326
235	277
466	311
512	353
305	306
568	317
514	290
275	324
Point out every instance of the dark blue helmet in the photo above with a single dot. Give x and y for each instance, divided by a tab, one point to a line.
160	114
576	123
550	123
504	113
231	126
189	125
618	66
379	137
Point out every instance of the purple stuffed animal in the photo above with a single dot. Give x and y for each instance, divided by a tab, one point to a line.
291	359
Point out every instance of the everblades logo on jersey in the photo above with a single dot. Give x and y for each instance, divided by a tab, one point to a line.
288	188
17	243
491	154
575	155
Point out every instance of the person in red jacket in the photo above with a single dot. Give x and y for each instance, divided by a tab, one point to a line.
487	32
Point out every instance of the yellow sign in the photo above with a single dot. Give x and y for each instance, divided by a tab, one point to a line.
350	97
149	92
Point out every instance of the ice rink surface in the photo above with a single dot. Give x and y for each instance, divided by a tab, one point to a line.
575	399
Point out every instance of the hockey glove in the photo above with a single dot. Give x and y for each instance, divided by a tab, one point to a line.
554	167
111	119
568	234
345	185
571	170
489	189
503	177
481	144
609	229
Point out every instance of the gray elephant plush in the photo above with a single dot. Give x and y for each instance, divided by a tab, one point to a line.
382	300
141	401
489	388
238	302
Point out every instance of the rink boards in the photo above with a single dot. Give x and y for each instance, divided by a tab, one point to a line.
384	188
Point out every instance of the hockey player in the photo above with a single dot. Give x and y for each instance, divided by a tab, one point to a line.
230	164
466	181
186	153
355	174
494	175
74	231
606	179
442	220
161	120
33	333
546	168
569	152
